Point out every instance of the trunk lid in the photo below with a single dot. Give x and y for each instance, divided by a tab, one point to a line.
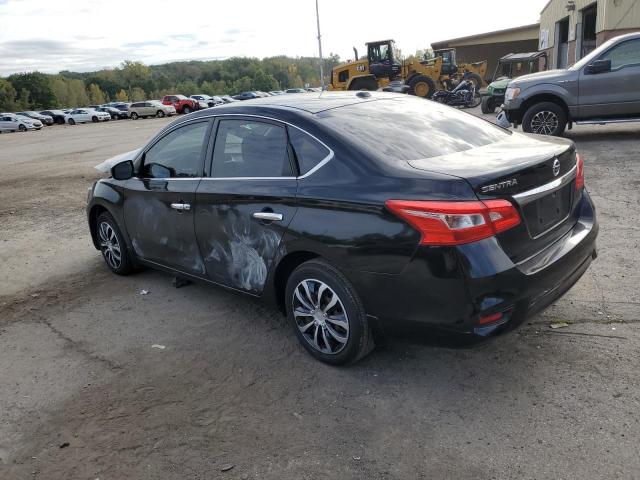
537	174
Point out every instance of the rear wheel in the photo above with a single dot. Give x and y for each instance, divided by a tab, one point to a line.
546	118
422	86
327	314
134	116
488	105
114	249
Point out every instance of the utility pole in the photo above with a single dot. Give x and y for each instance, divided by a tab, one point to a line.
320	48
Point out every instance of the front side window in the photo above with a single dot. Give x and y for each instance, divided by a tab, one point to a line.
250	149
178	154
309	152
627	53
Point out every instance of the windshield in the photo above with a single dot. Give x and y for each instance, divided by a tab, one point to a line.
593	55
409	128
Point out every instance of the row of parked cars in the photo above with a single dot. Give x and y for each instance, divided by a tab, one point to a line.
168	106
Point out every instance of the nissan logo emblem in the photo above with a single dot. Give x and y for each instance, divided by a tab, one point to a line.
556	167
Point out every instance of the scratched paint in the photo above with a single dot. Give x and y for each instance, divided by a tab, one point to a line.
241	258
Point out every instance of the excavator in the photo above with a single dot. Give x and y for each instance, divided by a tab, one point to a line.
382	68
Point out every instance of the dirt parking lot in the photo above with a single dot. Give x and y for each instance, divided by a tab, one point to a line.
86	393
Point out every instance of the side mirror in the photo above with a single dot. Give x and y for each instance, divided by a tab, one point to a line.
599	66
122	170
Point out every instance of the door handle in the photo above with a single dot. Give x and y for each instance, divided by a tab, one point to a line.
268	216
181	206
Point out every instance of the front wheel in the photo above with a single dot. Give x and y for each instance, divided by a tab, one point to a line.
22	128
488	105
159	114
327	314
186	110
134	116
94	119
72	121
112	245
546	118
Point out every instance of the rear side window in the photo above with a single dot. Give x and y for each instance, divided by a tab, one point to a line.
309	152
177	154
410	128
250	149
343	76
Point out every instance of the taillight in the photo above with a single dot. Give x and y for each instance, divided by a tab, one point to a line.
455	223
579	172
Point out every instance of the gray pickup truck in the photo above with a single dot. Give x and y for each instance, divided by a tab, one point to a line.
603	87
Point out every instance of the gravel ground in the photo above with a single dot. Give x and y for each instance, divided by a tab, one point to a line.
86	393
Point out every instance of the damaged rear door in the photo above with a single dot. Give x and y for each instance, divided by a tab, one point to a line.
159	203
246	203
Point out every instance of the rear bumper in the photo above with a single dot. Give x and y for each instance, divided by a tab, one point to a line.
453	287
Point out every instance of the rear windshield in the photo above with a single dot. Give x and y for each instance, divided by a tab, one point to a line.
410	128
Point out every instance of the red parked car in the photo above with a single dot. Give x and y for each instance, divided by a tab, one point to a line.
181	103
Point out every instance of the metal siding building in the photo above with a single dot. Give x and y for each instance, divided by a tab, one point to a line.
492	46
569	29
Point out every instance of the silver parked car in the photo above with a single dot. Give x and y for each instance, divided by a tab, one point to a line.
18	123
150	108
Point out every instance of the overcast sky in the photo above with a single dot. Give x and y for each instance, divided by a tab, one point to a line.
53	35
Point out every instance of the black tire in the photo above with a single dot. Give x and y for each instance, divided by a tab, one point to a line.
422	86
475	101
72	121
134	116
125	266
160	114
368	84
94	119
60	121
545	118
186	110
22	128
488	105
359	339
475	78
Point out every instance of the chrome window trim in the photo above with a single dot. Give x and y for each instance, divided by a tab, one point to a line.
529	196
320	164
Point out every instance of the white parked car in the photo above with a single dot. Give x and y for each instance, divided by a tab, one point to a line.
84	115
17	123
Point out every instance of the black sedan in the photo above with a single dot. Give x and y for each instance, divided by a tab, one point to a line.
116	114
58	116
355	213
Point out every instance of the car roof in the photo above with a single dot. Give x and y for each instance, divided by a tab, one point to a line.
522	57
308	102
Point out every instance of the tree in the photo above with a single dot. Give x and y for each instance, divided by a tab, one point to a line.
38	86
122	96
96	96
23	100
137	94
7	96
265	82
134	74
242	84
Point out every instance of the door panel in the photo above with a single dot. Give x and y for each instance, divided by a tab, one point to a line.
252	178
237	247
158	231
160	203
615	93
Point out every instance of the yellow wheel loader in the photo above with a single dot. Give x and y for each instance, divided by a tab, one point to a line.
381	67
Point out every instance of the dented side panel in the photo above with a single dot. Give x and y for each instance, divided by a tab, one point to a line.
237	248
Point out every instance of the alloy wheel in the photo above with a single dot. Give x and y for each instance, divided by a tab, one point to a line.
544	123
110	245
320	316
